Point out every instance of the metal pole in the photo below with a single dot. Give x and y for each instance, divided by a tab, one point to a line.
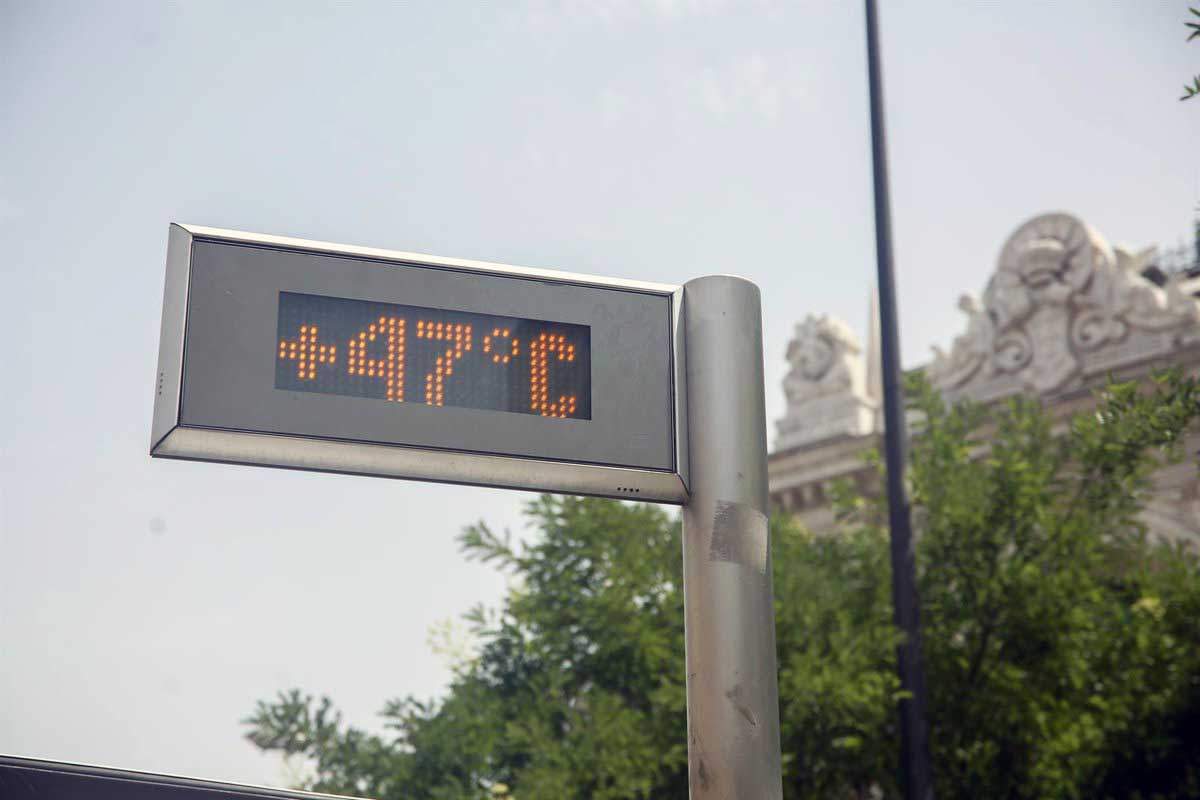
729	615
916	770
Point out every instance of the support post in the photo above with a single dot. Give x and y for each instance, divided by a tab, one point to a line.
729	615
915	765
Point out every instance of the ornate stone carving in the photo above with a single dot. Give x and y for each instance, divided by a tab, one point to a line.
1062	308
971	349
1061	305
826	385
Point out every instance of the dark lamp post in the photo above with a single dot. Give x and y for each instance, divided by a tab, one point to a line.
916	771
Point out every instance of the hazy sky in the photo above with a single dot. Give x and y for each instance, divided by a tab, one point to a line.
145	606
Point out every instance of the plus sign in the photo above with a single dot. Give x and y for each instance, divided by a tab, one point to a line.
307	353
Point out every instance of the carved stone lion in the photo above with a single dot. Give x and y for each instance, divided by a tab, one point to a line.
826	385
824	356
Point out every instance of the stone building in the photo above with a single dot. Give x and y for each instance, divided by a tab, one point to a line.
1062	311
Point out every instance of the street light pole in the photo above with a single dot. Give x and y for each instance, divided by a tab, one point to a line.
916	770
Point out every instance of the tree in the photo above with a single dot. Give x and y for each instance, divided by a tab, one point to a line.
1063	648
1059	640
1193	90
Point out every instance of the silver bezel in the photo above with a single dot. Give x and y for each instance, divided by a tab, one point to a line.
171	439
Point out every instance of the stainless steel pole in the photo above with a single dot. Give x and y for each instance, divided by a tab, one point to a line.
729	615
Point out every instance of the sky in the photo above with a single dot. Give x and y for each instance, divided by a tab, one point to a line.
145	606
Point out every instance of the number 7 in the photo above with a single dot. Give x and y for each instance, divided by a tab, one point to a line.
460	335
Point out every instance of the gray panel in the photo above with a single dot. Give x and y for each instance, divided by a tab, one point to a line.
170	343
231	336
683	465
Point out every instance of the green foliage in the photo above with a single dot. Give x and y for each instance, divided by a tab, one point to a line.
1062	648
578	689
1193	90
1047	636
836	645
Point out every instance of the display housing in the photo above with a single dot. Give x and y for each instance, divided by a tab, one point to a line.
290	353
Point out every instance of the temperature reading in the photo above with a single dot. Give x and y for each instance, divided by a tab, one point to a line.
434	357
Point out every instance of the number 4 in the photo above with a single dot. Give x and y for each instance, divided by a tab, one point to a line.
390	368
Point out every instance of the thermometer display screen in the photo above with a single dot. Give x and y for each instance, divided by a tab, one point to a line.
436	357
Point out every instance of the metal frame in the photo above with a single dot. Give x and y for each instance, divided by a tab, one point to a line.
171	437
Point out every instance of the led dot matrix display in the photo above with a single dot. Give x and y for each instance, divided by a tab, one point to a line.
435	357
